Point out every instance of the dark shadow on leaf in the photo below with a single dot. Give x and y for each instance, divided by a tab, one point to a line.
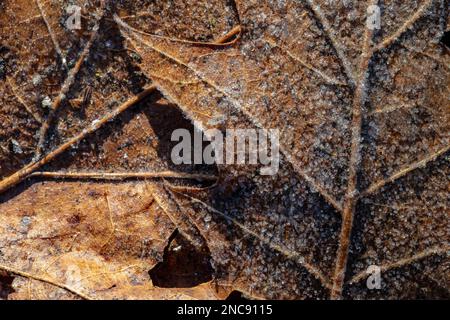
165	119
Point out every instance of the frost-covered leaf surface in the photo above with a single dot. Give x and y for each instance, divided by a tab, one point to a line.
69	239
363	117
360	111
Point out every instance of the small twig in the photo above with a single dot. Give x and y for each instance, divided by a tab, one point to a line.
52	34
230	38
123	175
25	172
66	87
235	32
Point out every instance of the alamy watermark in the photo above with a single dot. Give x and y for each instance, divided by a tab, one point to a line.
74	20
237	146
374	17
374	280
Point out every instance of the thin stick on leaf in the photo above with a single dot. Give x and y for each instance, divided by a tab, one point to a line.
51	33
120	176
25	172
235	32
66	86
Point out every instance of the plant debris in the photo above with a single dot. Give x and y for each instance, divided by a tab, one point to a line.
93	207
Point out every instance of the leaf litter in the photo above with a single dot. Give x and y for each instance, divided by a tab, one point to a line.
364	170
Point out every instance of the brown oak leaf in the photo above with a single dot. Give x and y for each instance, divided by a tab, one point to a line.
362	113
363	120
66	99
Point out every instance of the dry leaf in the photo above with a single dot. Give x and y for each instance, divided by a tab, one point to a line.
363	179
71	240
97	240
359	111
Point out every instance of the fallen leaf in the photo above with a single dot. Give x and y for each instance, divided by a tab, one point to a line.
363	177
70	240
360	112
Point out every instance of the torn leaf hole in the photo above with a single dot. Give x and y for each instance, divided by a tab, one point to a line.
235	296
183	265
6	288
445	40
